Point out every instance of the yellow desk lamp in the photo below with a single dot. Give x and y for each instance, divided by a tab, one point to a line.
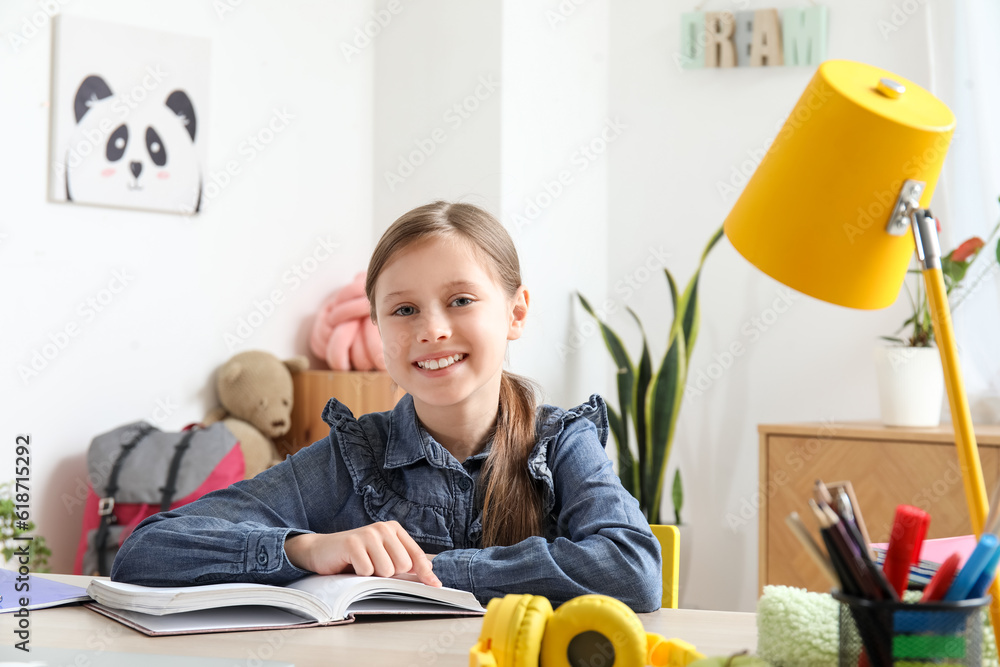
838	204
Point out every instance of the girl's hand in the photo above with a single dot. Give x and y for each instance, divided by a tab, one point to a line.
380	549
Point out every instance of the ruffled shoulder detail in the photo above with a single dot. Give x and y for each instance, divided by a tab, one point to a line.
554	420
336	411
550	422
362	447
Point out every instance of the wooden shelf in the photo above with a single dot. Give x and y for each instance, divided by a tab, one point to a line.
361	391
887	466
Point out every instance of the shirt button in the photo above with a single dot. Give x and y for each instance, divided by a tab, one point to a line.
464	483
262	556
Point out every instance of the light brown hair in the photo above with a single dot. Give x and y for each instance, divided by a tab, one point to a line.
512	504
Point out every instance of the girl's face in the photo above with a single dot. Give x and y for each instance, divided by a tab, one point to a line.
445	324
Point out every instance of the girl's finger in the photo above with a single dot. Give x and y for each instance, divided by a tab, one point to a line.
421	565
380	559
401	560
362	563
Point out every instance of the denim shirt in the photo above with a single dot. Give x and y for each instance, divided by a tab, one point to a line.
386	467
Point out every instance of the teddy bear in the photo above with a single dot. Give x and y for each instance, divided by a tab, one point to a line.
255	390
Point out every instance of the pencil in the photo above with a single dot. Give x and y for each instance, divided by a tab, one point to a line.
885	591
821	493
813	549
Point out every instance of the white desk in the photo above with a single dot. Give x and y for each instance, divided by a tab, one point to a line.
416	643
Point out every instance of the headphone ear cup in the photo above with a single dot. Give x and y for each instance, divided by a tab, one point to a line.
512	631
598	614
528	642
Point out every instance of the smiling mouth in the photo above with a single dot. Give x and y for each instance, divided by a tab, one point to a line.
437	364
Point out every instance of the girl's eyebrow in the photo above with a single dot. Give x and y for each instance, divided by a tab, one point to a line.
450	285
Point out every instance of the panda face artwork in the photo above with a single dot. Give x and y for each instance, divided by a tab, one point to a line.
137	156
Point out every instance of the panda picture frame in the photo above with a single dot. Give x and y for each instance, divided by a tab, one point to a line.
129	108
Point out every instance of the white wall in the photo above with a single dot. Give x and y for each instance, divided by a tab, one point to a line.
650	196
555	186
159	341
973	169
690	130
437	99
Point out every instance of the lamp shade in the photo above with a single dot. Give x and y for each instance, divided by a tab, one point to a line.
814	214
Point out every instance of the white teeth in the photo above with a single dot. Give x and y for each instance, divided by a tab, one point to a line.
444	362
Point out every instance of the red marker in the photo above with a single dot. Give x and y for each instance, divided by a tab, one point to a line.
908	530
942	579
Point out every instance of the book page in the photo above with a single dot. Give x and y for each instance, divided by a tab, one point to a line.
340	591
208	620
40	592
166	600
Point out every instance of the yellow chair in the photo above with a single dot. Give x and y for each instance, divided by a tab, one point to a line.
670	547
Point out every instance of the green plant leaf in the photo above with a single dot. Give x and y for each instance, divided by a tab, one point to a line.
690	310
628	473
626	374
677	496
38	552
711	243
662	407
673	292
953	272
643	376
625	379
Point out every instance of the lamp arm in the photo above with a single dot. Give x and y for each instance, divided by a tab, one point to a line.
929	252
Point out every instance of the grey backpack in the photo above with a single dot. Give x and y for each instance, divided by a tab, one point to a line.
137	470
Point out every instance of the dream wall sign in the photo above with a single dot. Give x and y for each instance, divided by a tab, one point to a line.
762	38
128	116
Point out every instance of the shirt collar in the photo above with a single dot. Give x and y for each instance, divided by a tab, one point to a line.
408	441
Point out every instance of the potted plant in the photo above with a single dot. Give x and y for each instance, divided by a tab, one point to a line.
649	401
12	527
910	380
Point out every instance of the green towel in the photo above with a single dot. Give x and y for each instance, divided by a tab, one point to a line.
796	628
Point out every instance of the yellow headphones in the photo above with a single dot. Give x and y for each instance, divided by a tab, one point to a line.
522	631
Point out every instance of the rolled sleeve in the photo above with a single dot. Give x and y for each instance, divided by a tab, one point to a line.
454	569
237	534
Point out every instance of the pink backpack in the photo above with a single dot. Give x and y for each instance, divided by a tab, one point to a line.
137	470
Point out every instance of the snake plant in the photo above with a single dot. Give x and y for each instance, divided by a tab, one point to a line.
650	402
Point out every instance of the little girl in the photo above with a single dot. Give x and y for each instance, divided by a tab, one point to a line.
464	483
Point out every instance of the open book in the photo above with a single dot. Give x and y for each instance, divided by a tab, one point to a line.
314	600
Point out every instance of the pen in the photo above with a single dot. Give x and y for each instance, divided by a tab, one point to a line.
843	507
856	559
848	584
986	578
941	581
856	581
908	529
973	568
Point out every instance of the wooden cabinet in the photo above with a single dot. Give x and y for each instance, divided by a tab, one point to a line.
886	466
361	391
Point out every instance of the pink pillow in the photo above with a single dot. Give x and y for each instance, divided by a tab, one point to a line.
343	333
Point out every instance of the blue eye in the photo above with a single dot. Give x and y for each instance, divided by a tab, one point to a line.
466	299
399	311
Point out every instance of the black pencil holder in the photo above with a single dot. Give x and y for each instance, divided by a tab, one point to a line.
879	633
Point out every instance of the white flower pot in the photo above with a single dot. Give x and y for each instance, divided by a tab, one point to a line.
910	385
